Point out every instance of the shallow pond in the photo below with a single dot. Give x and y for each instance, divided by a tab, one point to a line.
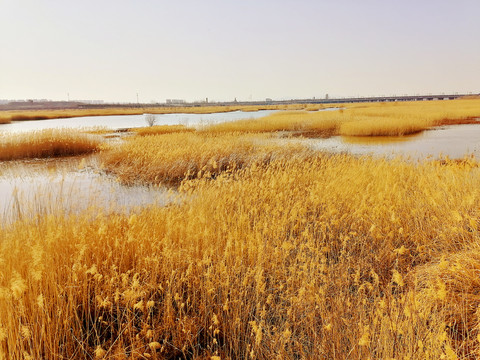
115	122
454	141
69	186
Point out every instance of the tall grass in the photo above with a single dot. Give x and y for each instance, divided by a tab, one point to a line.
320	256
301	122
161	130
372	119
170	158
46	143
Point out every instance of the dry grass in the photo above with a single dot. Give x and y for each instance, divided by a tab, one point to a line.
170	158
300	122
161	130
372	119
321	256
46	143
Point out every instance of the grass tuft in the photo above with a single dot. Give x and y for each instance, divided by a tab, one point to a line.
46	143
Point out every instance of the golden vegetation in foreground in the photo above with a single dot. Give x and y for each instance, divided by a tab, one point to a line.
363	119
46	143
171	158
329	257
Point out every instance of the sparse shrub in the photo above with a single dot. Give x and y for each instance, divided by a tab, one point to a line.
150	119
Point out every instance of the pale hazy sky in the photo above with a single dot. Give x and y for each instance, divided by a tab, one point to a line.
248	49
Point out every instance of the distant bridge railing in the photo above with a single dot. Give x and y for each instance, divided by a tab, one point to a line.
384	98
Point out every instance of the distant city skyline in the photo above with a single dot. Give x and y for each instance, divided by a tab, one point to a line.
151	51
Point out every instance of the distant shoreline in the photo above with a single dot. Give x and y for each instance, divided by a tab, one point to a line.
63	105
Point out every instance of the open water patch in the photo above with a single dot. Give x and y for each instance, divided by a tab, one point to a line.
454	141
26	191
117	122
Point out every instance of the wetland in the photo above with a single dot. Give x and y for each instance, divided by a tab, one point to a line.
352	233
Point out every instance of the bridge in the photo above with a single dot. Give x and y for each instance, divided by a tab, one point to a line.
382	99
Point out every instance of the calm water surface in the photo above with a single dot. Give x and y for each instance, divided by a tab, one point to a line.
29	188
116	122
454	141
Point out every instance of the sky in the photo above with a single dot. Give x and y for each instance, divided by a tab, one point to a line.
112	50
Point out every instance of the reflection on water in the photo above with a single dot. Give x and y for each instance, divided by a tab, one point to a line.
378	140
454	141
25	193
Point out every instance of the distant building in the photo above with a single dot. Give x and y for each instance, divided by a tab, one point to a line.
175	101
268	100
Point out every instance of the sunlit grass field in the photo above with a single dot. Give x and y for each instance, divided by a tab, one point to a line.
270	252
171	158
372	119
317	256
161	130
47	143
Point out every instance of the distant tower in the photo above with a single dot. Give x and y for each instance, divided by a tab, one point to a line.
206	100
326	96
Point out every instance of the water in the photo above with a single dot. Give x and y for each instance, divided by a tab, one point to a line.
47	187
454	141
115	122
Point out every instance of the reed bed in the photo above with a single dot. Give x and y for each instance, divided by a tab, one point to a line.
47	143
372	119
300	122
171	158
161	130
317	256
